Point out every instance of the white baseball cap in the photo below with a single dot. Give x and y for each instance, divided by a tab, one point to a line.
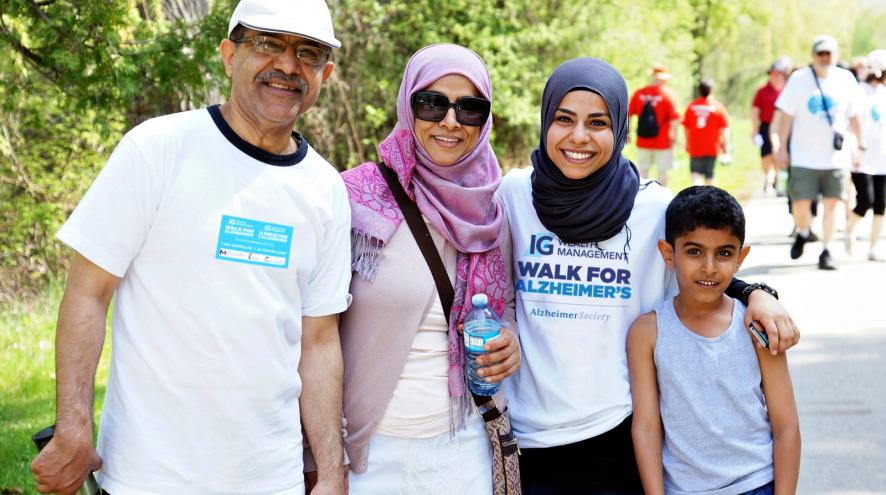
824	43
782	64
306	18
877	62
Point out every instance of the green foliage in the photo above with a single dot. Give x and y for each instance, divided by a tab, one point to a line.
77	75
27	334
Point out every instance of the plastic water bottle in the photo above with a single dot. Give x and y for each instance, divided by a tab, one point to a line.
481	326
725	159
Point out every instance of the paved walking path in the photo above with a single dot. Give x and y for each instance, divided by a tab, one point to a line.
839	367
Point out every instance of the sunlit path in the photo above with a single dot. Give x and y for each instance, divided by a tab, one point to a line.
839	368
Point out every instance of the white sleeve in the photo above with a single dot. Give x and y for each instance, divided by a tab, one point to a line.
111	222
327	291
788	100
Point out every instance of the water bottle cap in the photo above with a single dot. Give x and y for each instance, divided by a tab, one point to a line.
479	300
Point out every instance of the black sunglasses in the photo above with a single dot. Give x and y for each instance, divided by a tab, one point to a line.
432	106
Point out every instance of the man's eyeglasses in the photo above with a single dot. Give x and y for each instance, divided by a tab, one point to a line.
311	55
432	106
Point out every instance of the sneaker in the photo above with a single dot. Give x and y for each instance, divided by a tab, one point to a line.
797	247
873	256
812	237
825	262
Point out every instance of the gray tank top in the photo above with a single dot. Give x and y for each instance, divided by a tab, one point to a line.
717	437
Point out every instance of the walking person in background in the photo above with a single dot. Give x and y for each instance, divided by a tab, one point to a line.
860	68
711	415
706	124
817	108
657	121
762	111
869	175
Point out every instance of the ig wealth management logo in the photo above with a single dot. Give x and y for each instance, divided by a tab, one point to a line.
541	244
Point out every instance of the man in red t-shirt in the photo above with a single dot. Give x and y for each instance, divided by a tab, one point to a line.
762	111
655	140
707	133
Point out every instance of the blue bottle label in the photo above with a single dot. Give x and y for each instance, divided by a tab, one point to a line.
475	343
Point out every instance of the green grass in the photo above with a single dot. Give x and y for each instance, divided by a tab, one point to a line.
739	178
27	383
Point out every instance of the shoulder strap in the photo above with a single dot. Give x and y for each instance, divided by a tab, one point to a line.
487	405
824	101
422	238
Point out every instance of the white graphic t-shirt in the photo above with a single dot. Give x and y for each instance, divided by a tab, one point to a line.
812	137
874	124
575	304
221	254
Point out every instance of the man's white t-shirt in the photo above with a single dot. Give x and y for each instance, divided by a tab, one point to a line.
874	124
812	137
222	249
575	305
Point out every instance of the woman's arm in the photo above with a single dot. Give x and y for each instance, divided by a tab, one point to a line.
765	309
646	429
782	409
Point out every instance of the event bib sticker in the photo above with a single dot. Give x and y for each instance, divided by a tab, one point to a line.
254	242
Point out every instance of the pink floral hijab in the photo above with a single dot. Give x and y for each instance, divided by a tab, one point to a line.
458	200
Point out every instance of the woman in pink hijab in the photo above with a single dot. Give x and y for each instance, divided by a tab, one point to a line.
411	424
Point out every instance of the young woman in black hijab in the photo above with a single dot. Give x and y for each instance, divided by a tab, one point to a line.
584	228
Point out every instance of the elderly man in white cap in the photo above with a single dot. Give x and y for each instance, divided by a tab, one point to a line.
225	238
817	108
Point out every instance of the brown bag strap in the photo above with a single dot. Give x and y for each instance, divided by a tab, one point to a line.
423	238
487	405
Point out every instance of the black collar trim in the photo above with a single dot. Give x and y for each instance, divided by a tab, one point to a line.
254	151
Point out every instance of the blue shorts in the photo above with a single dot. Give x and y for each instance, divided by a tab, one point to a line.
766	489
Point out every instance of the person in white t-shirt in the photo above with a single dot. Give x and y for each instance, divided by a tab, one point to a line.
225	238
869	176
818	107
584	233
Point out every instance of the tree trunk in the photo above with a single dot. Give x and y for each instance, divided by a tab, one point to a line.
186	10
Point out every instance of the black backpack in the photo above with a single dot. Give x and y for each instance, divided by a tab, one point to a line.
647	127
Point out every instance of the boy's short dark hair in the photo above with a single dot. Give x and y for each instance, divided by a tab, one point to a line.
703	206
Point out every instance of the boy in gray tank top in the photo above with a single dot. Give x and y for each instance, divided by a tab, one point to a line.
712	414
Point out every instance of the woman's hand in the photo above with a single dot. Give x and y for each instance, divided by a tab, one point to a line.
502	358
780	328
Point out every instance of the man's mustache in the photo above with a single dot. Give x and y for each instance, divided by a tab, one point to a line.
278	76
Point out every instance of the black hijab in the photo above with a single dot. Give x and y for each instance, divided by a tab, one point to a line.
595	208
